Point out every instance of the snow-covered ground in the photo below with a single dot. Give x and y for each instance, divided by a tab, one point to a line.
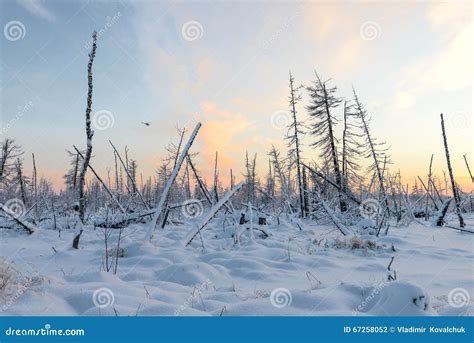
311	272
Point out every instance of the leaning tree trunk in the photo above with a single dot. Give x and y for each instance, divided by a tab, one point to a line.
89	135
451	176
337	171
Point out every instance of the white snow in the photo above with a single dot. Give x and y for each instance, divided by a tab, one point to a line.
323	272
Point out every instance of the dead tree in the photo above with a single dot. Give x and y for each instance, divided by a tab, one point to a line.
89	135
374	149
323	101
27	226
164	196
201	185
21	180
35	186
9	152
456	197
130	179
250	177
293	137
351	150
331	214
442	212
216	194
468	169
427	216
339	188
102	183
213	210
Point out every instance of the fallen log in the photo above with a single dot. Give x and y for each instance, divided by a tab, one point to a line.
27	226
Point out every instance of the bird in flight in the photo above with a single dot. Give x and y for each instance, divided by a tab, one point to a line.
146	123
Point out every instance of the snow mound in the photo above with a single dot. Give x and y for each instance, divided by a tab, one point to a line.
401	298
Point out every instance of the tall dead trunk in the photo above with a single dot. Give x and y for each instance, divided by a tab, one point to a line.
427	216
89	135
216	194
21	181
35	186
296	140
451	176
337	172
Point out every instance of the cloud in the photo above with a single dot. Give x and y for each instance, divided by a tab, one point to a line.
37	8
449	17
448	67
224	131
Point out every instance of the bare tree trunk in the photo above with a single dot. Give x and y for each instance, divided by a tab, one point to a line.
212	212
451	176
170	181
117	187
293	100
21	181
216	195
344	149
337	172
30	228
89	135
376	163
203	188
35	187
468	169
103	184
305	193
130	178
427	216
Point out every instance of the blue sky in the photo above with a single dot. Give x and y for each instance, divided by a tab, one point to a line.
233	77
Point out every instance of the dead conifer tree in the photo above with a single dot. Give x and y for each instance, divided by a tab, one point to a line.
9	152
323	102
456	197
89	135
374	150
351	151
250	177
294	136
21	180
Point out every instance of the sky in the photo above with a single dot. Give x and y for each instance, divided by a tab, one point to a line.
226	65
